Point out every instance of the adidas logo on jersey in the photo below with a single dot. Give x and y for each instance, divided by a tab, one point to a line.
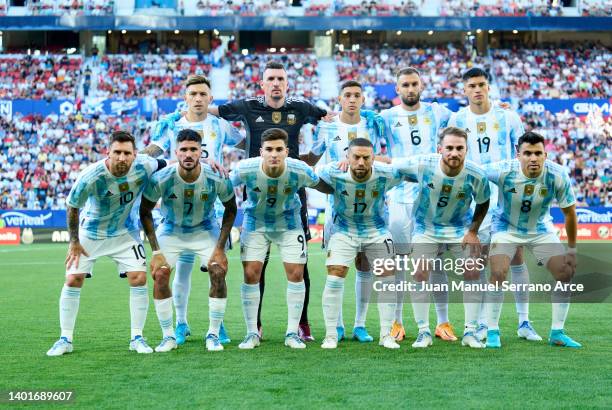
344	193
337	138
431	185
256	189
512	190
172	196
259	119
398	124
108	193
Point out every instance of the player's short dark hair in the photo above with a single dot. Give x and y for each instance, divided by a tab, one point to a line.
530	137
360	142
452	131
196	79
273	134
274	65
476	72
122	136
406	71
188	135
350	83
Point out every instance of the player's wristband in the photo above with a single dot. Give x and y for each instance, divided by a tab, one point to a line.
157	252
571	251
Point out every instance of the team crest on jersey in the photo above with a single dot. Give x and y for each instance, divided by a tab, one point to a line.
447	189
543	191
360	193
277	117
461	195
124	186
204	196
272	189
213	135
374	194
352	135
496	127
427	121
287	190
291	119
481	127
188	193
529	189
412	120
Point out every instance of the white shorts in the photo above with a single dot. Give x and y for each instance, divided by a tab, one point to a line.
400	222
484	232
291	244
343	249
126	250
543	246
201	243
430	247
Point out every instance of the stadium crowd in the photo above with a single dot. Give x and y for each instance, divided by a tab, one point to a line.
39	77
583	71
61	7
139	75
246	71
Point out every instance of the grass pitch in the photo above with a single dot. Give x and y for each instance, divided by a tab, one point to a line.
103	373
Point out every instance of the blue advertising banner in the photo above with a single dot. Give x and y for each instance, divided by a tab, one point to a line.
145	106
593	215
23	218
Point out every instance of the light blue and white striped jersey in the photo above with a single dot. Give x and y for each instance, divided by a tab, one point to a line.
272	204
110	204
215	133
412	133
359	207
524	203
333	138
493	136
188	207
443	205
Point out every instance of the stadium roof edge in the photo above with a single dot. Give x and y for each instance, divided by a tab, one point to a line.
271	23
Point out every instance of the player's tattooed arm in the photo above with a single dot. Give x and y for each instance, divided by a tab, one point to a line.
75	249
146	219
323	187
153	150
217	262
479	214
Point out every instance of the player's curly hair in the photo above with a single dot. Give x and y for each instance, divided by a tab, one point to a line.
188	135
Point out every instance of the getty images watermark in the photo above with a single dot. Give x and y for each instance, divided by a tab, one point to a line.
592	282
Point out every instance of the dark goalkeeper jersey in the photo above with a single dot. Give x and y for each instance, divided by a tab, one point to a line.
257	116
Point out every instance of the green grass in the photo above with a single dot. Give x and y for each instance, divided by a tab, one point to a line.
104	374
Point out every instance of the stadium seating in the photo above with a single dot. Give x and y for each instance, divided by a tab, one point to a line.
159	76
38	77
580	72
246	73
61	7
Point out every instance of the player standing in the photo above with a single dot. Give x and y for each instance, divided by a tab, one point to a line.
359	227
272	215
493	133
106	193
188	191
412	128
448	184
527	187
331	141
275	110
215	133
